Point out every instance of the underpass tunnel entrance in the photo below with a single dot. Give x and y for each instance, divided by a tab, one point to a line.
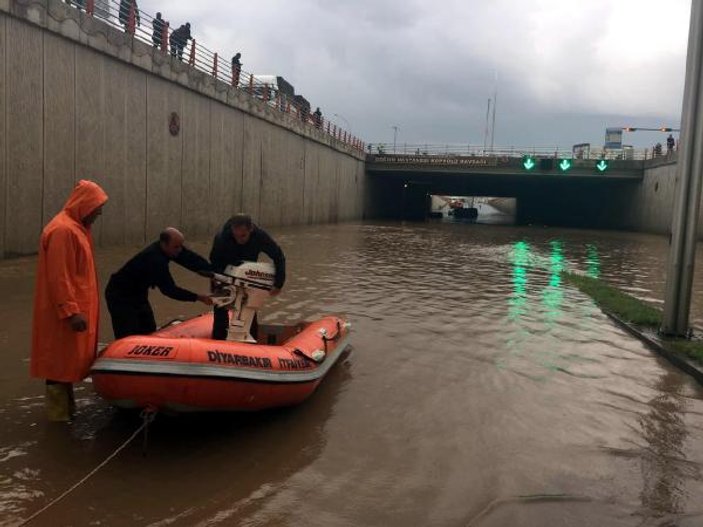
415	201
479	209
512	199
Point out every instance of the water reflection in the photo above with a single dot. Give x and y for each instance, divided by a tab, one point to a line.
520	260
592	261
664	464
553	294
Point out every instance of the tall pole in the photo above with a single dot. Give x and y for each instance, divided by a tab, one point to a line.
485	133
495	104
679	278
346	121
395	136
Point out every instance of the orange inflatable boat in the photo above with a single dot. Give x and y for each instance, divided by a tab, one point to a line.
179	368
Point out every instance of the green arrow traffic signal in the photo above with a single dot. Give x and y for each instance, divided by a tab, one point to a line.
602	165
528	163
565	165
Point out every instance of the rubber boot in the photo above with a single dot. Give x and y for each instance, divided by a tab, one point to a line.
58	403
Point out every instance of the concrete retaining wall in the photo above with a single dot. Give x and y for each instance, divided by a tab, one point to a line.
79	99
649	207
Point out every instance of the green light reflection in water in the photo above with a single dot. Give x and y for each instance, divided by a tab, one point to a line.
553	294
592	261
520	260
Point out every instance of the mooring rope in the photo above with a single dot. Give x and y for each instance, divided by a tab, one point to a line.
147	415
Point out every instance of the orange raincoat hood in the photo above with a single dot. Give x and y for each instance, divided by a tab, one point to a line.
85	198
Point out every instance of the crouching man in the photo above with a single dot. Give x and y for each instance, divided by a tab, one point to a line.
127	292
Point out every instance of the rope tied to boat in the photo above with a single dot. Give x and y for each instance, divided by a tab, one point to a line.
147	415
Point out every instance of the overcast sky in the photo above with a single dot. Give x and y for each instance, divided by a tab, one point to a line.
565	69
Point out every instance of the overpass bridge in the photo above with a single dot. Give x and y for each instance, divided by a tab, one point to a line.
550	188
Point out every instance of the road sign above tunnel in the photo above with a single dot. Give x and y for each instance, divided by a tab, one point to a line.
565	165
602	166
529	163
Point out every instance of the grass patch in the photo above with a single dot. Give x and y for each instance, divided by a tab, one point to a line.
612	300
635	312
693	349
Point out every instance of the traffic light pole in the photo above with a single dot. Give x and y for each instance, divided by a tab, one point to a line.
679	278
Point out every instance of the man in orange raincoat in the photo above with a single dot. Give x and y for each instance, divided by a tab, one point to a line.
66	300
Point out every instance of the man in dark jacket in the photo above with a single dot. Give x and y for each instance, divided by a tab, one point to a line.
236	69
158	25
179	40
241	241
127	292
125	8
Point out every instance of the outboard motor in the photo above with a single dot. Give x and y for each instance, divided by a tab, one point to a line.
243	289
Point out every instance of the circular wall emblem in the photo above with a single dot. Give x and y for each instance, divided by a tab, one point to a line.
174	124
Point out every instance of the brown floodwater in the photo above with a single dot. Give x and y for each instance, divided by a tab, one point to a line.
481	391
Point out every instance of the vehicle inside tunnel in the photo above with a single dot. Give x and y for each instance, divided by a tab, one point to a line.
479	209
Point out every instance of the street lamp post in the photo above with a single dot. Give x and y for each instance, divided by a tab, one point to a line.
395	136
345	121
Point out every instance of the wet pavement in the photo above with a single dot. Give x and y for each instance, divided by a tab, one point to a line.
481	390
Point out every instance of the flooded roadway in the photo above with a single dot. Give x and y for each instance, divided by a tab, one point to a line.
481	391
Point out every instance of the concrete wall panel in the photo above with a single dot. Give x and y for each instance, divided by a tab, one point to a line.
252	166
226	135
59	123
3	133
311	177
294	182
327	187
25	136
134	176
164	156
650	207
115	156
90	123
271	161
196	208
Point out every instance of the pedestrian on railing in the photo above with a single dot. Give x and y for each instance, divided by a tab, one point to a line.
236	69
304	112
179	39
157	36
125	7
317	118
658	150
670	144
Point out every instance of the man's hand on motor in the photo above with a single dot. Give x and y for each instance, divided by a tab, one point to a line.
205	299
275	291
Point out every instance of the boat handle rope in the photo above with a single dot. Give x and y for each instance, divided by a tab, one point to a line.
302	354
335	337
147	415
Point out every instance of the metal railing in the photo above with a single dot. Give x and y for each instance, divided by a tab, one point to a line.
428	149
141	25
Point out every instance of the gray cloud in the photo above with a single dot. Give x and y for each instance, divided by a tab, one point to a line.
566	70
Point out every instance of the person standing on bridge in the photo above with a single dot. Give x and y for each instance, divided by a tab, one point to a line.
126	7
241	241
127	292
670	144
236	69
179	40
317	118
67	300
158	25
